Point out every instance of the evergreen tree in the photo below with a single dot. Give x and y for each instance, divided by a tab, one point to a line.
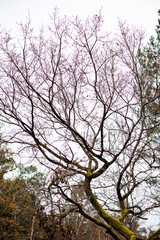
149	58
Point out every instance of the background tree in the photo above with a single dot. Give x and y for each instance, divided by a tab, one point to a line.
69	95
149	58
29	188
18	202
8	207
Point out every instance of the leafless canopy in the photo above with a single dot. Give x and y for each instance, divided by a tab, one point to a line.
68	94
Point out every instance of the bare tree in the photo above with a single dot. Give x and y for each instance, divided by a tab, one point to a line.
74	97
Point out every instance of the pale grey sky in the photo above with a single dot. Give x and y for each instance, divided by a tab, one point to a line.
137	12
142	13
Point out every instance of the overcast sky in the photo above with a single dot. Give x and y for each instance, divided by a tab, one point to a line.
142	13
137	12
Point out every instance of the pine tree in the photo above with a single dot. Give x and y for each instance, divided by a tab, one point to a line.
149	59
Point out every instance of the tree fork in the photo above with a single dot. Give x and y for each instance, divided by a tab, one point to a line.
113	222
